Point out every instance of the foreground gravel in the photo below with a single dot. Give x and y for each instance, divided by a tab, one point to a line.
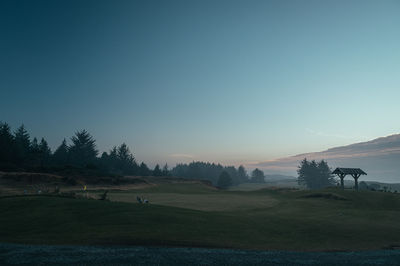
13	254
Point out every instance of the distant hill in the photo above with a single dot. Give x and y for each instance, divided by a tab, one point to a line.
380	158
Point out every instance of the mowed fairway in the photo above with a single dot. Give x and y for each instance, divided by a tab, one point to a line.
204	199
198	215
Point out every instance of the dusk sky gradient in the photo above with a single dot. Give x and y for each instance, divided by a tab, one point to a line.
221	81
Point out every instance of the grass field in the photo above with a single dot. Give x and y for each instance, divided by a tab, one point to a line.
197	197
199	215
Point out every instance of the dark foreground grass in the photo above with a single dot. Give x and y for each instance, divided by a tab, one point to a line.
12	254
364	220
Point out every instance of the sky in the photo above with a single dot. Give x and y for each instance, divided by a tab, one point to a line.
234	82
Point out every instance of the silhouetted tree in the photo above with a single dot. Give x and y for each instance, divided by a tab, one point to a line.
112	159
83	149
165	171
34	147
231	170
157	171
144	170
44	153
119	161
125	160
34	153
18	152
7	144
207	171
124	153
22	142
242	174
257	176
224	180
60	156
314	175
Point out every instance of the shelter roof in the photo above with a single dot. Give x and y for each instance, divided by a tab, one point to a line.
348	171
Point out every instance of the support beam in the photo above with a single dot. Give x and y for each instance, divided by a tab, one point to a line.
342	180
355	176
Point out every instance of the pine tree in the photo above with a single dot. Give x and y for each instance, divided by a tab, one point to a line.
144	170
257	176
314	175
157	171
45	152
242	174
83	149
7	144
124	154
34	147
22	142
165	171
60	156
126	161
34	154
224	180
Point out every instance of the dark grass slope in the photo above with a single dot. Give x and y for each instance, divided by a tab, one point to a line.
365	220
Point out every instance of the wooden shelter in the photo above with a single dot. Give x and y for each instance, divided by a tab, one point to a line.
354	172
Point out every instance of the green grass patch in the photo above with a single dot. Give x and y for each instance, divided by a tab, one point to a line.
265	219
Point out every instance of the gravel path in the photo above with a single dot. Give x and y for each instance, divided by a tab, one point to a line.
13	254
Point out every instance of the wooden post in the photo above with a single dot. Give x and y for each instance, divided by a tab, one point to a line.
341	180
356	176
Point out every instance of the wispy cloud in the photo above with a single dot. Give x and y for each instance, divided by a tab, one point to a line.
339	136
369	155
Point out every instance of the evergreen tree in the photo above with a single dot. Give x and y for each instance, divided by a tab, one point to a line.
83	149
165	171
34	153
60	156
224	180
126	161
242	174
157	171
34	147
314	175
120	160
44	152
144	170
113	158
104	156
124	154
7	144
22	142
257	176
208	171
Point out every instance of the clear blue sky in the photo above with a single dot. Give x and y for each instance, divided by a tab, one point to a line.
224	81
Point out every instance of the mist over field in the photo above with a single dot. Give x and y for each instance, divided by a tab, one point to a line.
379	158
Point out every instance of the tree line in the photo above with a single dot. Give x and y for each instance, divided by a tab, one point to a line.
18	152
212	172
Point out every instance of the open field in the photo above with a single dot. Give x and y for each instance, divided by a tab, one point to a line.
195	196
190	214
